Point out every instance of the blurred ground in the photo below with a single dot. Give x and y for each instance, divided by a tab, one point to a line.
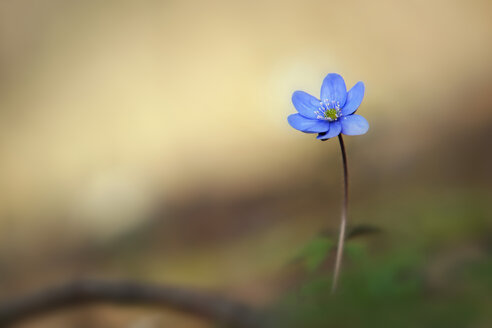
149	139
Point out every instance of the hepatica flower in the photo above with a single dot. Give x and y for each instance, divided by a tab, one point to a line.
333	113
330	116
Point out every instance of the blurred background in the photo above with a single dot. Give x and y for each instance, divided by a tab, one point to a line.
148	140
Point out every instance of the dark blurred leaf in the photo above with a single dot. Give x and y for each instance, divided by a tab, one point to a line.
362	230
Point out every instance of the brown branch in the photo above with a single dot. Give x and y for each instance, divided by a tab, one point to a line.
83	292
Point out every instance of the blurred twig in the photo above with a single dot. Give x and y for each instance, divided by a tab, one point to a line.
82	292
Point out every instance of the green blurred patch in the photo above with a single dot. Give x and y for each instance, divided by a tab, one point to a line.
431	268
315	252
391	292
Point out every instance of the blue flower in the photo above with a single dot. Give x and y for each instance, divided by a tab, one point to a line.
334	113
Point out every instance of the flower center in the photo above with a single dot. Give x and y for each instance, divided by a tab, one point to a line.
331	114
328	110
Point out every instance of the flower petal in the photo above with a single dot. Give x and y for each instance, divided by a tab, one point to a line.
354	99
334	89
335	128
354	125
299	122
305	104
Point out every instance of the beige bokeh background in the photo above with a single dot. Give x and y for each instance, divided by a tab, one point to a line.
113	111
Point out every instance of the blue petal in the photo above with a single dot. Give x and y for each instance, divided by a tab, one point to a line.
305	104
354	99
335	128
334	89
354	125
303	124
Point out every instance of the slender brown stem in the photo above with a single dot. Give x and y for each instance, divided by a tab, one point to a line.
343	223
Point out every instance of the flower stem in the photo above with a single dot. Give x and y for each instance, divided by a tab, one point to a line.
343	223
